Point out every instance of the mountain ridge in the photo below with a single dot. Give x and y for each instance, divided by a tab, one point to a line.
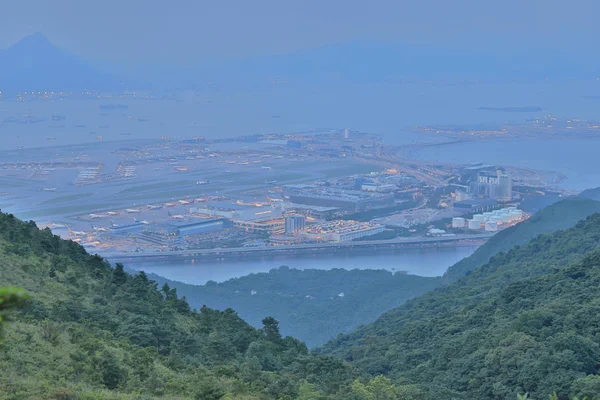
90	331
339	64
312	305
443	340
563	214
307	304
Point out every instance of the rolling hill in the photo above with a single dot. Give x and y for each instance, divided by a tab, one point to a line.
312	305
93	332
524	322
561	215
308	304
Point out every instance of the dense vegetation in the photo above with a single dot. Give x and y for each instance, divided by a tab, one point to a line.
10	298
307	304
527	321
561	215
524	322
312	305
93	332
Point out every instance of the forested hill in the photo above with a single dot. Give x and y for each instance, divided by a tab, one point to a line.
309	304
562	215
527	321
93	332
312	305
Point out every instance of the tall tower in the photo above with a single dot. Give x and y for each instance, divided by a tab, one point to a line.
294	224
505	186
346	133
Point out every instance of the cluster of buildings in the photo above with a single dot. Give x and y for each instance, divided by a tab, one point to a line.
341	231
172	234
492	185
294	224
254	217
281	222
490	221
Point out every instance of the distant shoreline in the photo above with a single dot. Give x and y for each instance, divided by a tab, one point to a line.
512	109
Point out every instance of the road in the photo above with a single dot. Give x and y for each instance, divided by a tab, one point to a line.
391	243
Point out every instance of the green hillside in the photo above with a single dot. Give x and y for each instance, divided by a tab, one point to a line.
92	332
307	303
312	305
561	215
527	321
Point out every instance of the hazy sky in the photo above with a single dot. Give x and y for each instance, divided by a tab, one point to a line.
193	31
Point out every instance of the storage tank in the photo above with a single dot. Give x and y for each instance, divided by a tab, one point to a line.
478	217
458	222
491	226
518	214
497	219
506	218
474	224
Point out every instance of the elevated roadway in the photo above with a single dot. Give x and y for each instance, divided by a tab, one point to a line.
302	248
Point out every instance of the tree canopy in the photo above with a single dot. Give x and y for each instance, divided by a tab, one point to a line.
90	331
526	322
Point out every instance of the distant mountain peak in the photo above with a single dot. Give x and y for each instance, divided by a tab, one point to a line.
35	40
34	63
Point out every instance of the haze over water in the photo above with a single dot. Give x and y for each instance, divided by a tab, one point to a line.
389	110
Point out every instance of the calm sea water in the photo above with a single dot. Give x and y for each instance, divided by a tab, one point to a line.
424	262
389	110
577	158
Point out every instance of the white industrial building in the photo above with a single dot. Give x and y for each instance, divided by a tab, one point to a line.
458	222
491	226
492	220
474	224
341	231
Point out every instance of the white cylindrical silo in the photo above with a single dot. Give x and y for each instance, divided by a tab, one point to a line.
458	222
491	226
518	214
497	219
478	217
474	224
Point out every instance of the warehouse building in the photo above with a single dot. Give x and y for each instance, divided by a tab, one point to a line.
175	233
341	231
348	200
